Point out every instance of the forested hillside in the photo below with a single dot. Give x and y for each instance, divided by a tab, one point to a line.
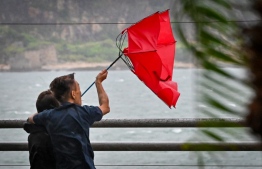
64	30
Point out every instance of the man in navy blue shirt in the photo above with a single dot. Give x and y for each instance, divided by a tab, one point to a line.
68	125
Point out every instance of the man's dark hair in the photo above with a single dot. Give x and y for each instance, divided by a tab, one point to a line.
62	86
46	100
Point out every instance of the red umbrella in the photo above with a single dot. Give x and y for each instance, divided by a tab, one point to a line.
150	55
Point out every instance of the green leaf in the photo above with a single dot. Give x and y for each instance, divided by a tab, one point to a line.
208	38
223	3
188	6
219	105
210	66
182	37
213	135
218	54
209	113
224	31
222	83
225	93
210	13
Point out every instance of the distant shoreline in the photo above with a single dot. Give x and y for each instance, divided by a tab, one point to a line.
84	66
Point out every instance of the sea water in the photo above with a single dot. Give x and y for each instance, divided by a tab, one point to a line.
129	99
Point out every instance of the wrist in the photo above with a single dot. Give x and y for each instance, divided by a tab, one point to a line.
98	82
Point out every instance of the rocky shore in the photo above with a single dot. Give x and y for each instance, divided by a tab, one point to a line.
84	66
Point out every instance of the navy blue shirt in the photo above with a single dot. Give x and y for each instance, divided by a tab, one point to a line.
68	127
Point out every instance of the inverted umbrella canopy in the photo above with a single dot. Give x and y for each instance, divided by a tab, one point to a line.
150	55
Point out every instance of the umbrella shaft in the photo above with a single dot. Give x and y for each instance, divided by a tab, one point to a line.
106	69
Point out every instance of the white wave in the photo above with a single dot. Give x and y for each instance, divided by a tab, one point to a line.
12	112
177	130
38	85
147	131
25	112
131	132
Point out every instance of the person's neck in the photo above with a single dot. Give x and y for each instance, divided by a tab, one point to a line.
70	101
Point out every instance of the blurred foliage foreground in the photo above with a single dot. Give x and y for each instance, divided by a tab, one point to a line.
217	38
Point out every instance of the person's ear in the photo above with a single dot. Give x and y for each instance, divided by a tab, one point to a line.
73	94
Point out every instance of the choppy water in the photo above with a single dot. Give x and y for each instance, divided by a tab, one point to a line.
129	98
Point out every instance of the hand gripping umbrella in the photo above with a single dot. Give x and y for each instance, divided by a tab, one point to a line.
150	54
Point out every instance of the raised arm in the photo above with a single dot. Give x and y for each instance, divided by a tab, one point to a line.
102	96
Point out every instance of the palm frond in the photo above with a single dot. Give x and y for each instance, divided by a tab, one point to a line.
214	42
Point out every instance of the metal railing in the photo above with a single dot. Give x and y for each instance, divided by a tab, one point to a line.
151	146
154	123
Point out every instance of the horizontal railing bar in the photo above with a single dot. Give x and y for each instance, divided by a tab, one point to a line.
129	123
155	165
154	146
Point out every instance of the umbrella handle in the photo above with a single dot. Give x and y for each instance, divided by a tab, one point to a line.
106	69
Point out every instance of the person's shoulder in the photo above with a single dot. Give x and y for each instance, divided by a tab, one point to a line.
89	107
92	109
45	111
42	115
